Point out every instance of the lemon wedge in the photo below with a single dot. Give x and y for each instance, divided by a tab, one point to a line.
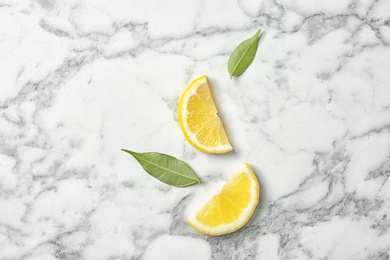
199	120
232	207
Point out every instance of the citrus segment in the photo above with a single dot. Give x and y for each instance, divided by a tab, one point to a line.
199	120
232	207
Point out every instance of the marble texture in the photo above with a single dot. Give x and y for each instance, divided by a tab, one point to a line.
82	79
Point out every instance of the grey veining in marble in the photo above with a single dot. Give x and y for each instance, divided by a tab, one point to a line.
79	80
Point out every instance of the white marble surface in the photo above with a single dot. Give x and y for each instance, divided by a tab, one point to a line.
82	79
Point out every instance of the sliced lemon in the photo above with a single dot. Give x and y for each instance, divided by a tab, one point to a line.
199	120
232	207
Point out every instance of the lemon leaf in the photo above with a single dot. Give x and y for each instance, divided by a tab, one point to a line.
166	168
243	56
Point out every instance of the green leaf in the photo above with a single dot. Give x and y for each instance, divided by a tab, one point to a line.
166	168
242	57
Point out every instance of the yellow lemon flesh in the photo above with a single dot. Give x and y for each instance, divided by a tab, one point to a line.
232	207
199	120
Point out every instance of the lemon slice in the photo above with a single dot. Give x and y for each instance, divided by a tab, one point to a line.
199	120
232	207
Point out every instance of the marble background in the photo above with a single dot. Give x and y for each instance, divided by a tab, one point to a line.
79	80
